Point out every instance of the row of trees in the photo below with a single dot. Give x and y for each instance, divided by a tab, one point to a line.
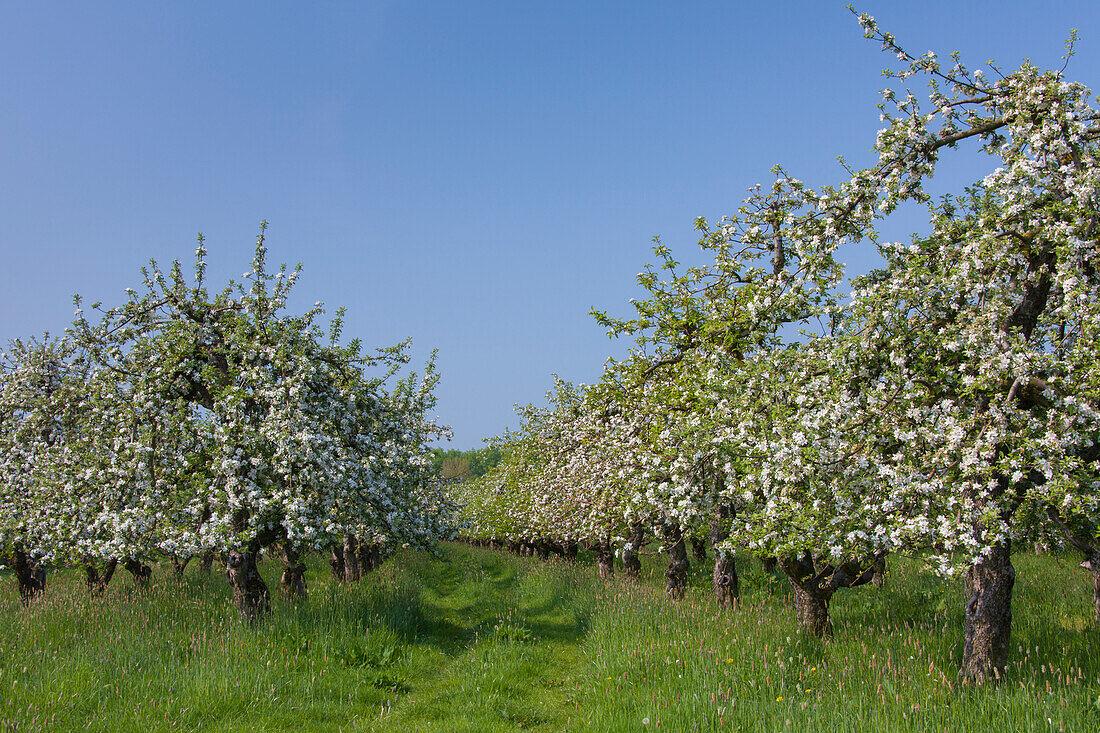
460	465
950	401
185	423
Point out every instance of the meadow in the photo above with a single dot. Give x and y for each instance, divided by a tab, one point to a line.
481	640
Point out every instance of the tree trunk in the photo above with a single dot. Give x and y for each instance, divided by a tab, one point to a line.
605	558
769	564
571	550
632	563
336	562
812	610
351	560
727	591
676	575
879	569
988	622
699	549
30	572
365	555
206	562
542	547
178	565
97	582
811	596
293	578
143	574
1096	590
249	591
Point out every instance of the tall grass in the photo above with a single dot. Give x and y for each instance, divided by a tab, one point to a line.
483	641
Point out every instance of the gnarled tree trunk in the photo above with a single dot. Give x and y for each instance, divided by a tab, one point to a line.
676	575
206	562
878	579
811	607
988	620
30	572
365	556
811	596
769	564
179	565
336	562
97	581
249	590
293	579
632	564
727	590
605	558
351	559
1094	566
698	549
143	574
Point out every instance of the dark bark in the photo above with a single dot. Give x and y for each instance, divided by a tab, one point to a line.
605	558
336	562
769	564
632	564
351	559
249	590
811	596
1096	589
727	591
143	574
206	562
179	565
814	584
30	572
513	547
878	579
676	575
542	547
97	581
988	620
571	550
365	554
293	579
812	610
698	549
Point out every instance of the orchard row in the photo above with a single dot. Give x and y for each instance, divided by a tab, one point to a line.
942	405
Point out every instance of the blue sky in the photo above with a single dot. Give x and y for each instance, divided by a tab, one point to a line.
473	175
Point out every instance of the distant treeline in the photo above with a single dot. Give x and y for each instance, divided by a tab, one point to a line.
465	464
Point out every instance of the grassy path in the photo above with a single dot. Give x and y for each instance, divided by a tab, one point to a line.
502	650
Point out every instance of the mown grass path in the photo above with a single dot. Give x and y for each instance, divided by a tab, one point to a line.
479	640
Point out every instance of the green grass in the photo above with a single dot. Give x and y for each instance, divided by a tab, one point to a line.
485	641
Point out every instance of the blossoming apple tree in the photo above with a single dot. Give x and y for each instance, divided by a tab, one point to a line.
223	423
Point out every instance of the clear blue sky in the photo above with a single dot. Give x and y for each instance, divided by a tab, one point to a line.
474	175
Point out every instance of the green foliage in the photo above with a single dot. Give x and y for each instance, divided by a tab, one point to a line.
465	464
